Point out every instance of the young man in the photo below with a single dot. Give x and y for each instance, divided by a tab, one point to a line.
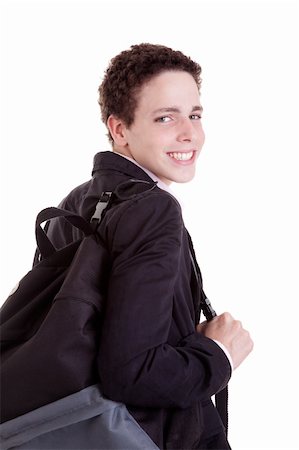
154	356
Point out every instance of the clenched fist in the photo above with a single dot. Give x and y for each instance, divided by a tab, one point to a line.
231	334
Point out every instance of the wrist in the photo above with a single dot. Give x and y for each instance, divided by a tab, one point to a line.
227	353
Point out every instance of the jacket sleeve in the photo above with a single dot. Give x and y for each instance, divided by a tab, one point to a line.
137	365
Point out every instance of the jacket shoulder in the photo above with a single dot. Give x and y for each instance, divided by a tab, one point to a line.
74	199
145	205
145	217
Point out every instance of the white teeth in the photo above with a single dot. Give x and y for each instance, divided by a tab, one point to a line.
181	156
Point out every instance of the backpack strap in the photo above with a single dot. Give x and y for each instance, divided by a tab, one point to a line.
45	246
124	191
103	203
221	398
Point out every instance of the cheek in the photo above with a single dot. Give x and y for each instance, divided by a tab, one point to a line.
137	143
200	134
164	137
154	141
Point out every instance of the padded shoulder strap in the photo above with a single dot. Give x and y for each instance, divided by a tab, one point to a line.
44	244
124	191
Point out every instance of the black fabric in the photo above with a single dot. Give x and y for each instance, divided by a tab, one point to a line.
44	244
150	356
217	442
50	328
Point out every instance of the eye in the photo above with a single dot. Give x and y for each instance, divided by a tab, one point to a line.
195	116
163	119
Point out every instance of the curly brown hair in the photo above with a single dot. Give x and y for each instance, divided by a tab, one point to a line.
129	70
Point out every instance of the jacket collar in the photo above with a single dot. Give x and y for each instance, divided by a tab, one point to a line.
112	161
153	177
115	162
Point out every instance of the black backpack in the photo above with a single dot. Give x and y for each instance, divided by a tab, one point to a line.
51	324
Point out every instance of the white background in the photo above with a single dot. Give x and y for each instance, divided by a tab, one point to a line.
242	207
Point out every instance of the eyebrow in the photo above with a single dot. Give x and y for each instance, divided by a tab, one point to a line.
176	109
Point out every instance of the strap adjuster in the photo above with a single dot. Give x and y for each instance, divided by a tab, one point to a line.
101	206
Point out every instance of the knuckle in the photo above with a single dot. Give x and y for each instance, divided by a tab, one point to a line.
239	324
236	326
247	337
249	341
227	316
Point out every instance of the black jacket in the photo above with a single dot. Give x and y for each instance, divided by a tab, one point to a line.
151	357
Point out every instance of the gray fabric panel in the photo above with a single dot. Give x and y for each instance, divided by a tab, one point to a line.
84	420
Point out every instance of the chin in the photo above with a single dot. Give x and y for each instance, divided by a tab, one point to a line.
184	178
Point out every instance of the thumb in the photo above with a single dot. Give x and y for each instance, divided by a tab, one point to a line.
201	326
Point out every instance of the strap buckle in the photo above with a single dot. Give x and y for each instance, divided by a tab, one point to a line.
101	206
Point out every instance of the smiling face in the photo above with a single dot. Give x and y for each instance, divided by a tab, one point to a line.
166	136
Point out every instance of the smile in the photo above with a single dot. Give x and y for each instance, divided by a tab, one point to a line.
181	156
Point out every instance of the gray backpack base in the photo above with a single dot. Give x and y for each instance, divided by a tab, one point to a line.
82	421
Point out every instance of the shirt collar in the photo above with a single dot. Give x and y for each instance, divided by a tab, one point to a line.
154	177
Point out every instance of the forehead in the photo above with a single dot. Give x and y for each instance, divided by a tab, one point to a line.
168	88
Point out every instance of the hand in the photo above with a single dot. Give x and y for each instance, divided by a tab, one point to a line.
231	334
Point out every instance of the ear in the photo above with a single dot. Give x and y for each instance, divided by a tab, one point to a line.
117	130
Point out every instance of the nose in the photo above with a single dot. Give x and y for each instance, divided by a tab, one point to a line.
186	130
